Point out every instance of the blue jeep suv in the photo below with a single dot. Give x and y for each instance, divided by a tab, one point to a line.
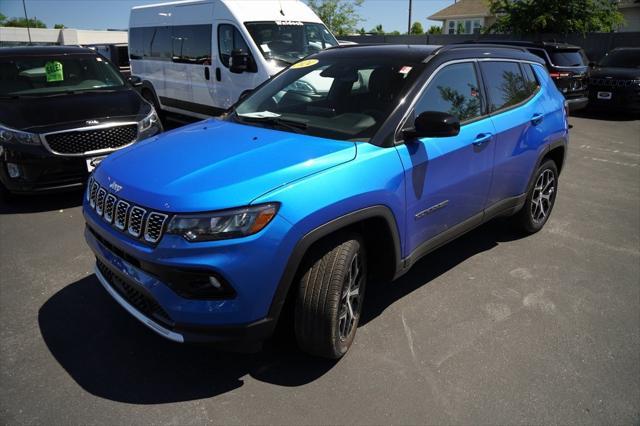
352	163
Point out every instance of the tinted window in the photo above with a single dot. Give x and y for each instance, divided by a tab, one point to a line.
184	43
622	58
567	58
454	90
530	80
505	84
192	44
230	39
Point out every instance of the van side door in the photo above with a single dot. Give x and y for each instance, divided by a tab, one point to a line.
518	112
229	86
448	178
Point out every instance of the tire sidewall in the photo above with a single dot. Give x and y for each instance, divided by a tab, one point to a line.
529	224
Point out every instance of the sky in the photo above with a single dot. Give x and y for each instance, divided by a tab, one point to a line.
114	14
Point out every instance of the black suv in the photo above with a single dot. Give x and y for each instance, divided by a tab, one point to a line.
567	65
62	109
615	81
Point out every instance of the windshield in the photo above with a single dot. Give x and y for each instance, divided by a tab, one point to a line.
622	59
567	58
48	74
289	41
336	97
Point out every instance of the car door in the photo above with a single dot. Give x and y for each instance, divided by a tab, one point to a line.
448	178
518	111
229	86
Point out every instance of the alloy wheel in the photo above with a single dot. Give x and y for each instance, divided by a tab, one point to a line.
542	197
351	297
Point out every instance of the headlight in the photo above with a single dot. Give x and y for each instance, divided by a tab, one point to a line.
224	224
149	121
16	136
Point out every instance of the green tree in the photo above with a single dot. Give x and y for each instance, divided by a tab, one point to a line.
3	19
339	15
396	32
377	30
460	29
22	22
362	31
553	16
59	26
416	29
434	29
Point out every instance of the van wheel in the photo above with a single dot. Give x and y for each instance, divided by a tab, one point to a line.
540	199
330	295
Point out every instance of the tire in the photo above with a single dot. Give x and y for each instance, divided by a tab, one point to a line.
329	300
540	199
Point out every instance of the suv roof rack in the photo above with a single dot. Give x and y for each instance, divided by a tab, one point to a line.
474	45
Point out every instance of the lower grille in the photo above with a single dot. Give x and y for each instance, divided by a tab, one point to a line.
78	142
135	297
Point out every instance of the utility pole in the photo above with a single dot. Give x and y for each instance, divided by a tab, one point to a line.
24	6
409	26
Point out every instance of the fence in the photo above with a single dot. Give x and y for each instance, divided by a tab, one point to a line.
595	45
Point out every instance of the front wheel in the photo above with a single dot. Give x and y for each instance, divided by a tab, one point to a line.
540	199
329	300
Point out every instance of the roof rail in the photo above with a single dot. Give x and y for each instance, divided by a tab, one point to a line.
474	45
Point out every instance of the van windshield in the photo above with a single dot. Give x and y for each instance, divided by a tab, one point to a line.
42	75
288	41
335	97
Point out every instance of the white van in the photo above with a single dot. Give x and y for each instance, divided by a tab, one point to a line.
197	57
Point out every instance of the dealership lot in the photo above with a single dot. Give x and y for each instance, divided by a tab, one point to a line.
492	328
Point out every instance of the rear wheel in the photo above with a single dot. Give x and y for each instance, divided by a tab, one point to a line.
540	199
329	300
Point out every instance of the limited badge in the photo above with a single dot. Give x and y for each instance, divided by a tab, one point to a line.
304	64
53	69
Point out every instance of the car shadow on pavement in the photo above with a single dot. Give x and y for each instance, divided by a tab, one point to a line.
607	115
111	355
38	203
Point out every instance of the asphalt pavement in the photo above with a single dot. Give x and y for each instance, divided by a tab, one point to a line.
493	328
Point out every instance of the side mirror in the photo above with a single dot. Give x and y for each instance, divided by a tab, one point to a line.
134	80
239	61
433	124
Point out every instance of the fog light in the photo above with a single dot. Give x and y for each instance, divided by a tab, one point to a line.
13	170
215	283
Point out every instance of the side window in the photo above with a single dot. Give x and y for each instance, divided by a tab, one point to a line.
454	90
505	84
530	80
191	44
161	43
230	39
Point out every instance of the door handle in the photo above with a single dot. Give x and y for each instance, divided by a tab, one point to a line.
206	73
218	74
537	119
482	138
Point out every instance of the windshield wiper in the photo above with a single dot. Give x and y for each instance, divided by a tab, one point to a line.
295	125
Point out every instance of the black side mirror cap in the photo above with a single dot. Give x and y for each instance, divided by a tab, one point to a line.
433	124
134	80
239	61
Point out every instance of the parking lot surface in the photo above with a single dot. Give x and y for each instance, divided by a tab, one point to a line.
493	328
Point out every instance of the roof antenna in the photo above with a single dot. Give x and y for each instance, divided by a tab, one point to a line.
281	11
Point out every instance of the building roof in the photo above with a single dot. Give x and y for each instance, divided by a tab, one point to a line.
463	9
43	50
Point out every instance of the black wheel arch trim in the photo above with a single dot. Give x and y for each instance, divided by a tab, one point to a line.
302	246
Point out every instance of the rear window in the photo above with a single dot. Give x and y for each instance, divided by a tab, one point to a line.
568	58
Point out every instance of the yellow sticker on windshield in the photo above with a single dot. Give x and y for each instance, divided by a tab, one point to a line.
53	70
304	64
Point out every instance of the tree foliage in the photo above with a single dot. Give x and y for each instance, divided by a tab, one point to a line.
3	19
434	29
59	26
377	30
22	22
554	16
416	29
340	16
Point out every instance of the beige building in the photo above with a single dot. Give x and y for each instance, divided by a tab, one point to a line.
470	16
630	10
11	36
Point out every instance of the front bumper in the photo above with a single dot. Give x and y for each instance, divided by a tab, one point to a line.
137	292
622	99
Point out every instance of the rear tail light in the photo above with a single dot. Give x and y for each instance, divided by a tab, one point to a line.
559	74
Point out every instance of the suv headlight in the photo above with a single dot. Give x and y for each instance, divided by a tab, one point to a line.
149	121
16	136
223	224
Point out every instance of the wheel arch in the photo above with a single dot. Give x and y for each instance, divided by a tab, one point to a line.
379	230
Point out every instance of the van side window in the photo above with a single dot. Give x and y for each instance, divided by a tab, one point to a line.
230	39
505	84
192	44
454	90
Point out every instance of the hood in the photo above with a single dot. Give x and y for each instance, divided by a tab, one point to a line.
618	73
41	114
216	164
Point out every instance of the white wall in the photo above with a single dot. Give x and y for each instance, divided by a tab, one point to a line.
9	35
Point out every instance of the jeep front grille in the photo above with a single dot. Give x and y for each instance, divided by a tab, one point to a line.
136	221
